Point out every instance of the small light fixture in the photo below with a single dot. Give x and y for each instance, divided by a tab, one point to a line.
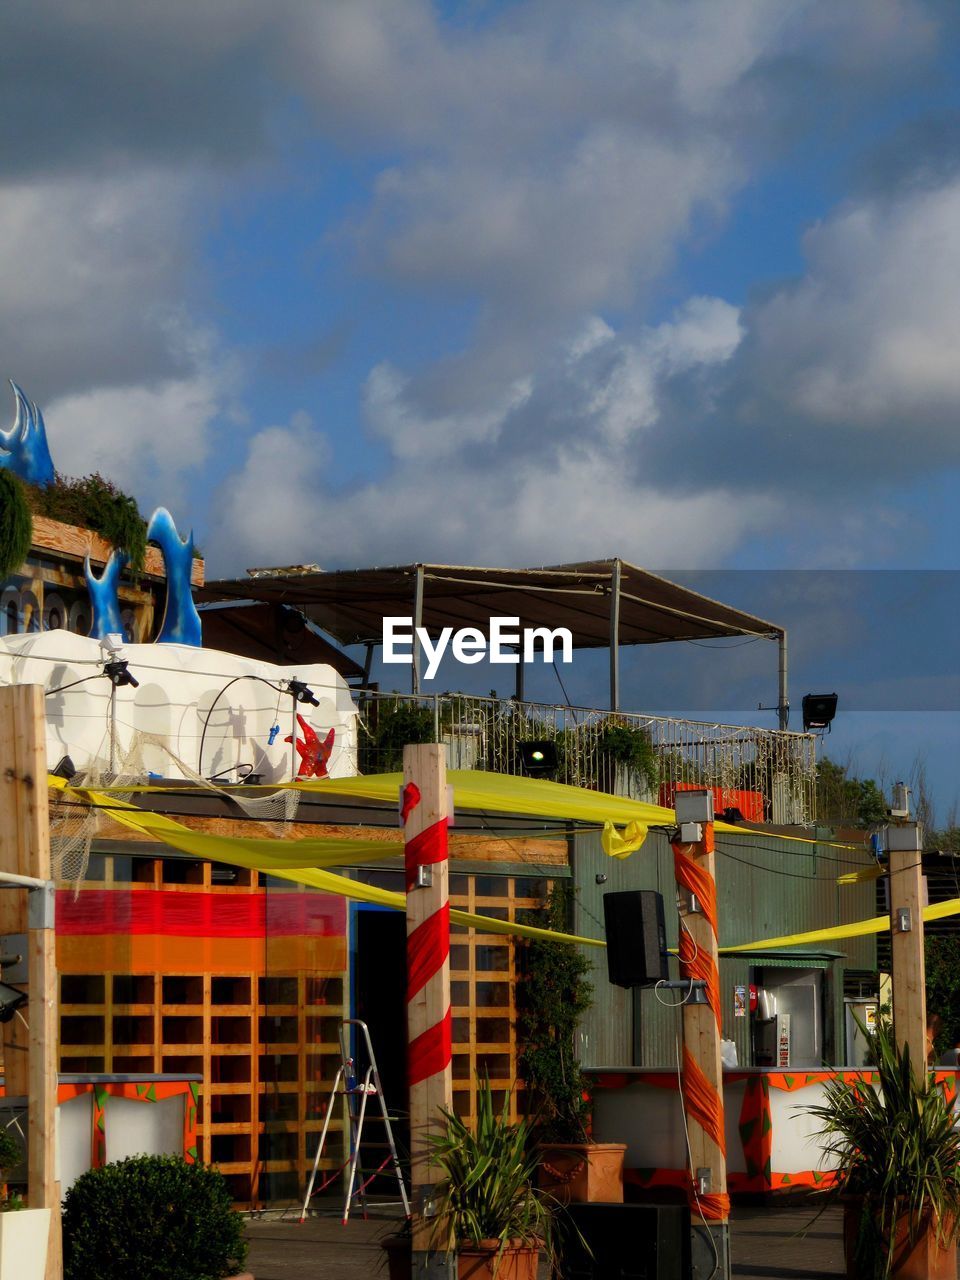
818	711
301	693
539	759
65	768
118	673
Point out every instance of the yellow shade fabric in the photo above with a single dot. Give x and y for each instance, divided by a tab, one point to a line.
616	845
284	859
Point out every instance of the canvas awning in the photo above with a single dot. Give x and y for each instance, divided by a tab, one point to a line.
271	633
603	603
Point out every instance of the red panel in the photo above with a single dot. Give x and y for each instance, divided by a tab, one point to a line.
172	913
750	803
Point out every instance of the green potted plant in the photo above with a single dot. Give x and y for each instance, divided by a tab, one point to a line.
489	1209
629	749
23	1232
898	1159
551	998
153	1218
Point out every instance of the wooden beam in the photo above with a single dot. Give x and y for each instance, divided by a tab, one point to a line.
74	543
425	815
25	850
535	850
904	845
702	1064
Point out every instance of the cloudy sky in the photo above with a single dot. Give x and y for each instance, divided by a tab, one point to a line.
353	282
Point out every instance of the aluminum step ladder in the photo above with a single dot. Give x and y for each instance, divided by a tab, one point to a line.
347	1084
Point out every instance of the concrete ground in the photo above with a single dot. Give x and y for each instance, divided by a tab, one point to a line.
766	1244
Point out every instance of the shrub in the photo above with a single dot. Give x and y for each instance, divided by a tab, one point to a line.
395	726
93	502
152	1218
629	745
16	524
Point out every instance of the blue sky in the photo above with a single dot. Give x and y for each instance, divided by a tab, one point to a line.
357	282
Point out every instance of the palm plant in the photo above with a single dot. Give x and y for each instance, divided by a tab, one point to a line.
897	1149
487	1191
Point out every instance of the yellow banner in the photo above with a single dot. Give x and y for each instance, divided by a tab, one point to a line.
283	859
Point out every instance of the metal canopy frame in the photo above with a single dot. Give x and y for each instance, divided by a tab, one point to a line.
603	603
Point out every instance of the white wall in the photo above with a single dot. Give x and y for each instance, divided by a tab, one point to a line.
177	695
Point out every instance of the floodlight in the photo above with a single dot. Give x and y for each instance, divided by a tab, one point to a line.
538	759
118	673
818	710
301	693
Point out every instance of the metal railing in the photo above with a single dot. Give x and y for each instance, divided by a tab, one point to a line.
768	774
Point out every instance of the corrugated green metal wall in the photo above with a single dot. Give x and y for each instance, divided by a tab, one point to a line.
767	887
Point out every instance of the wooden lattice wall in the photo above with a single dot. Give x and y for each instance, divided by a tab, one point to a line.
256	1014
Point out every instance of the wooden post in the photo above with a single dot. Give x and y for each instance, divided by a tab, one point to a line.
702	1066
25	850
904	845
424	816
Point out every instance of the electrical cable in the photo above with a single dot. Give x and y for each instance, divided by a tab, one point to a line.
671	1004
73	684
703	644
693	1173
548	873
231	768
696	949
206	721
556	672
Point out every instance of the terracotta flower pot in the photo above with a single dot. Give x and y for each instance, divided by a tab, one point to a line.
581	1173
480	1261
924	1260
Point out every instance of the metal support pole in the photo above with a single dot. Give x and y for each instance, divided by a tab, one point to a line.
294	729
783	703
417	623
367	663
113	728
615	636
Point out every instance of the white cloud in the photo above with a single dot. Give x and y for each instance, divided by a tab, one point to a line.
94	275
144	438
410	433
553	472
273	511
868	338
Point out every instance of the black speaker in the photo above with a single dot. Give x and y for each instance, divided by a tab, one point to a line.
636	938
624	1242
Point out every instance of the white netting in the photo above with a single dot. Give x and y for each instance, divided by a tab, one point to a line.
74	825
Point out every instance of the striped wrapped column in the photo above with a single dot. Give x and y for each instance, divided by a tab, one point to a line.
423	812
702	1067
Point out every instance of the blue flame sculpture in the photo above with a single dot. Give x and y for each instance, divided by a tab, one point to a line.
104	598
181	622
24	449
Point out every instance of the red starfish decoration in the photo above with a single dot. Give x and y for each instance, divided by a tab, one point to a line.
314	754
